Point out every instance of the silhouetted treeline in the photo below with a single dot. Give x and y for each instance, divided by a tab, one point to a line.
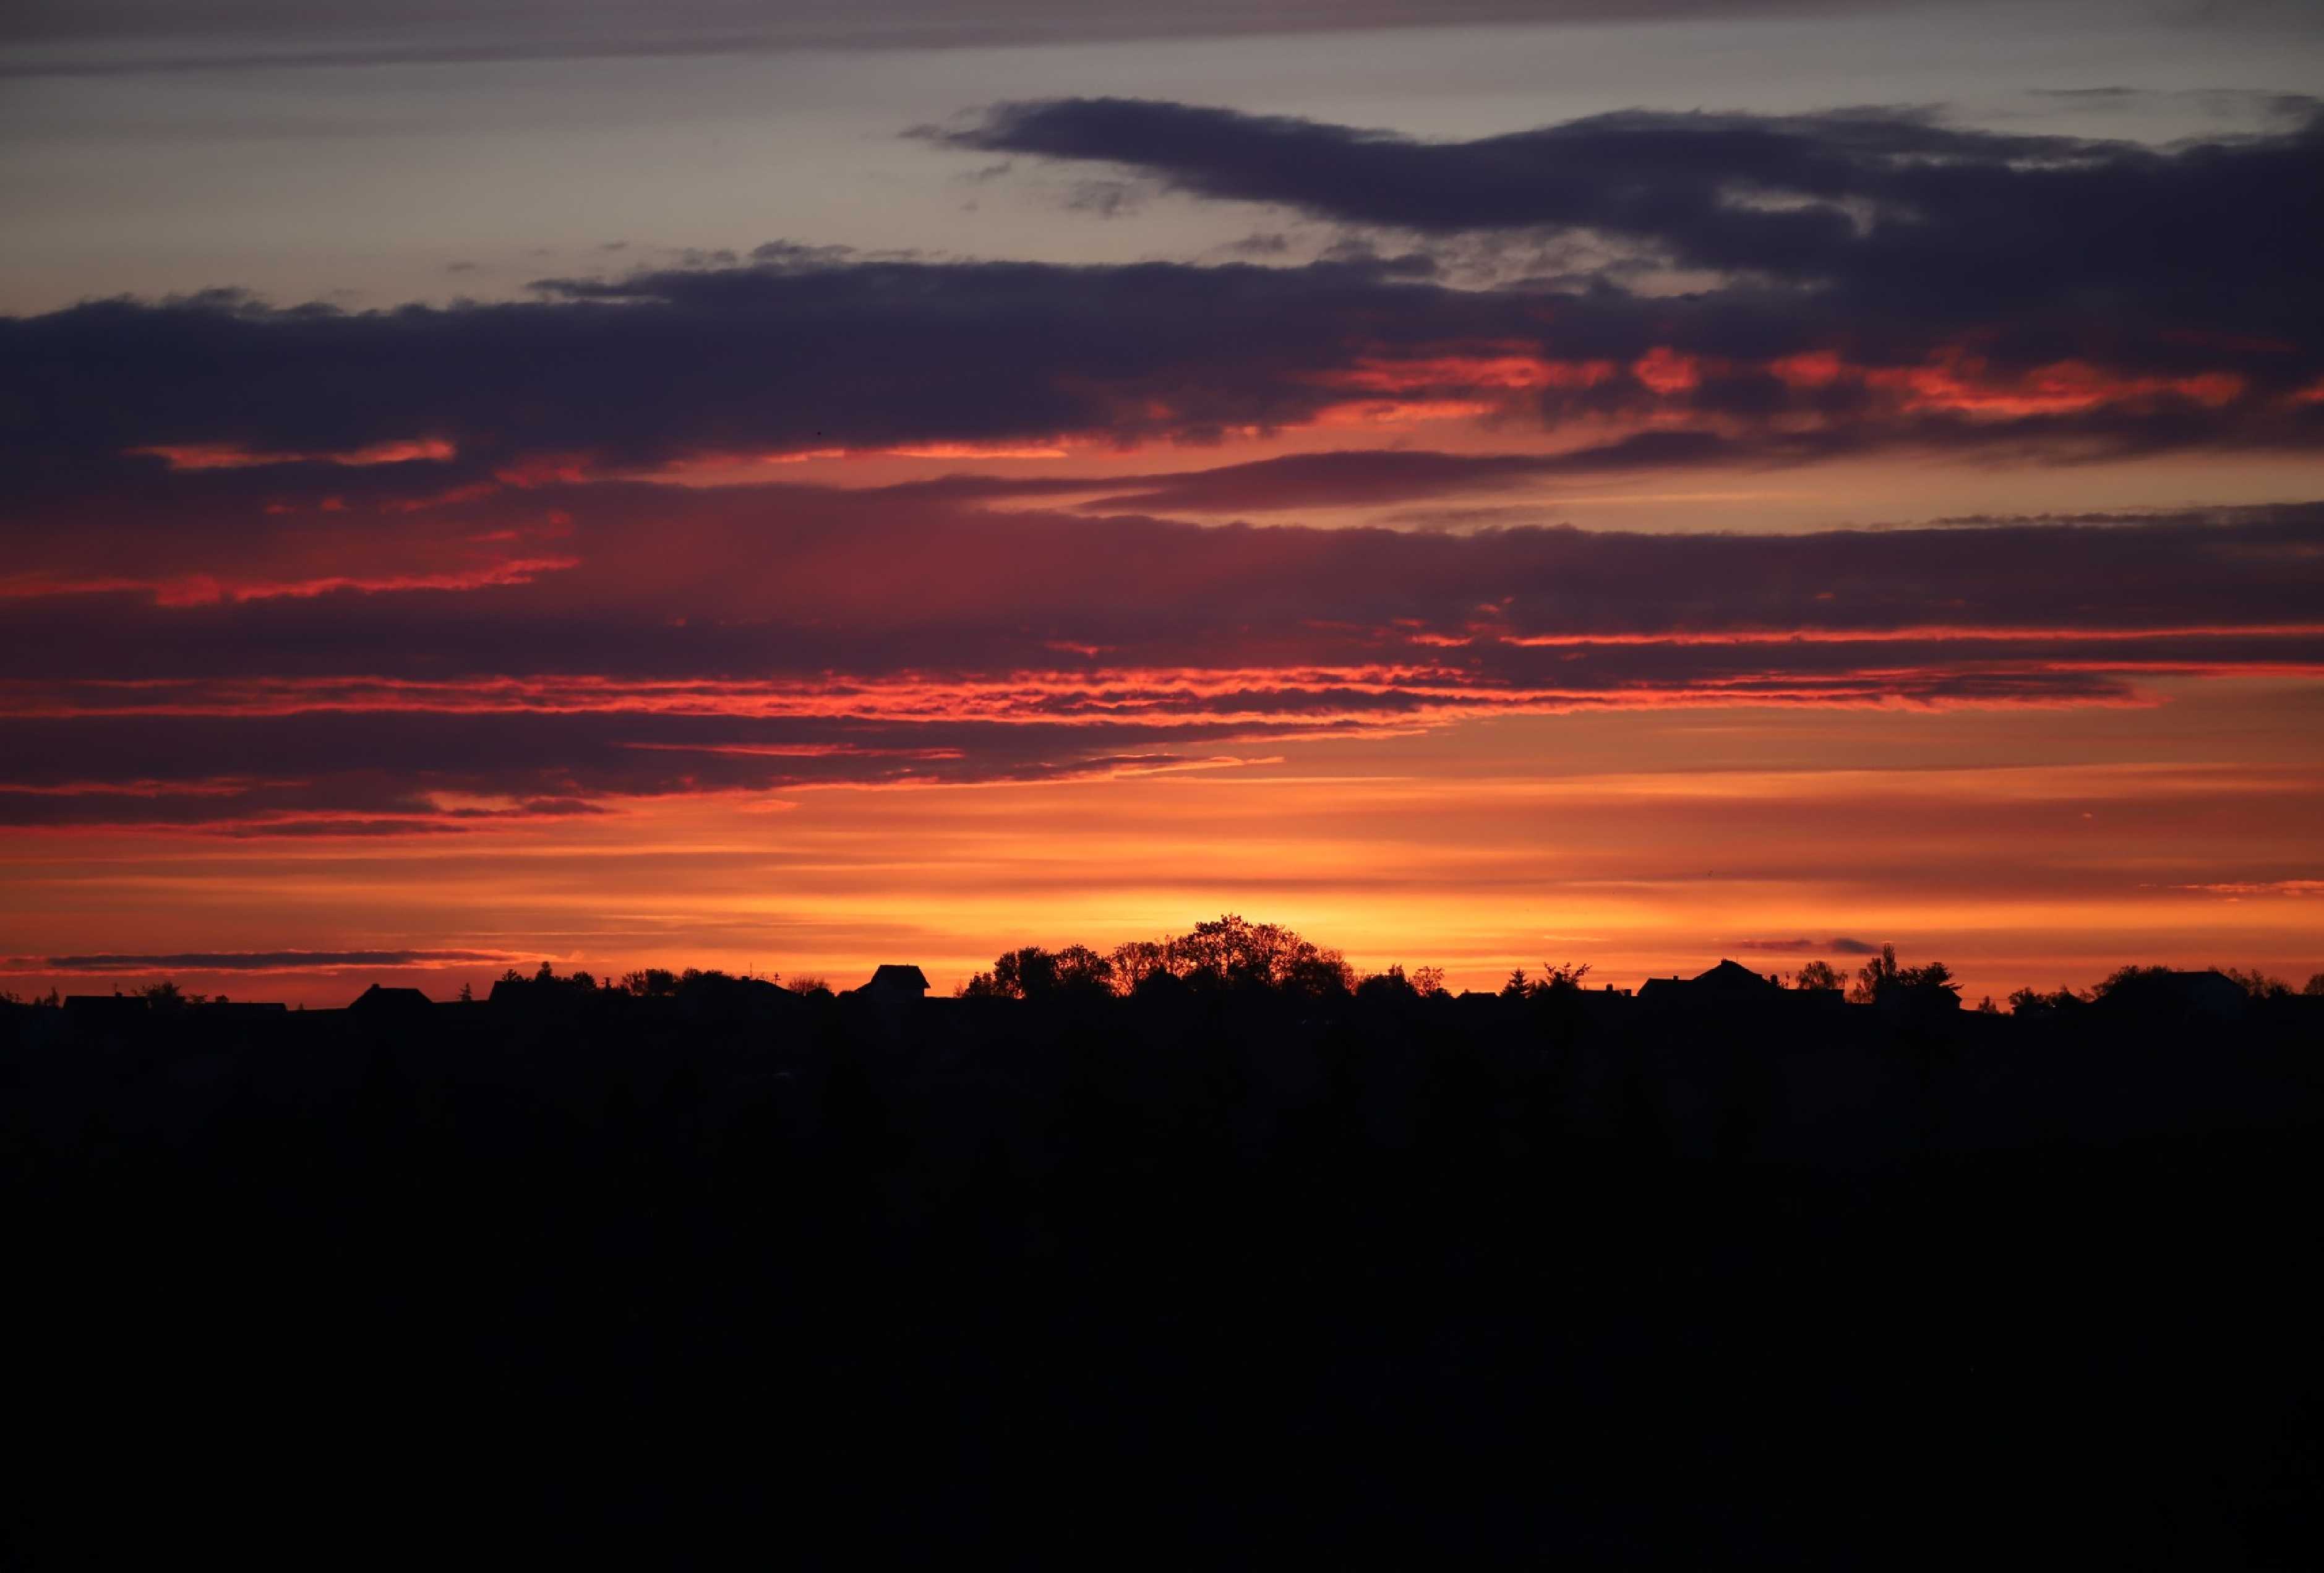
1243	1267
1231	955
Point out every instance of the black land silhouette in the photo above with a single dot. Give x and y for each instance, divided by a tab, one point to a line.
1201	1249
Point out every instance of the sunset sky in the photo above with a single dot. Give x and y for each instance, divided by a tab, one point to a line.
793	485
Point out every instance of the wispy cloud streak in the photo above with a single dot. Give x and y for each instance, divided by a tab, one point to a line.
846	638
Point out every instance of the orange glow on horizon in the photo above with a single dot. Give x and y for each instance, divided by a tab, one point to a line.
1647	843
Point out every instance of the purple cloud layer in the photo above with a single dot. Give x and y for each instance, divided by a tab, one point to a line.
758	638
298	571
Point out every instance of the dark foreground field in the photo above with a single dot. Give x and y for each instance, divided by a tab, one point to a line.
1193	1282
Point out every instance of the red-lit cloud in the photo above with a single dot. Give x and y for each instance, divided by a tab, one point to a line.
492	580
749	640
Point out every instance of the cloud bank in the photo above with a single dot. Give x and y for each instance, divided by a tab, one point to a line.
771	639
295	571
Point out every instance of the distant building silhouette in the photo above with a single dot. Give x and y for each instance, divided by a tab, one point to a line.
2178	997
240	1009
378	1002
105	1007
894	981
889	1003
534	1000
1725	986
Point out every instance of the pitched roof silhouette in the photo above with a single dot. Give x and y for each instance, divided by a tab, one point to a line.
891	977
2208	993
378	999
1725	983
1735	975
109	1004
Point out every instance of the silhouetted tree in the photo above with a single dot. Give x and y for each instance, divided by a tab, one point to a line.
1394	984
2315	985
2125	975
1881	980
2254	983
1031	972
1314	972
1819	975
2030	1001
1228	953
1382	988
1232	952
1876	975
166	998
651	983
1081	970
1555	979
1138	960
581	982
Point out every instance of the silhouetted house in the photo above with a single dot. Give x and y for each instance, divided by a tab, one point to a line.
891	981
1725	987
2177	997
1605	1004
105	1009
888	1004
241	1010
714	997
97	1017
533	1002
1906	1002
1659	991
1732	978
378	1004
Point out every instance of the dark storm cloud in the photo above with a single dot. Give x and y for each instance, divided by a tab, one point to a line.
741	358
1893	207
1893	282
793	356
